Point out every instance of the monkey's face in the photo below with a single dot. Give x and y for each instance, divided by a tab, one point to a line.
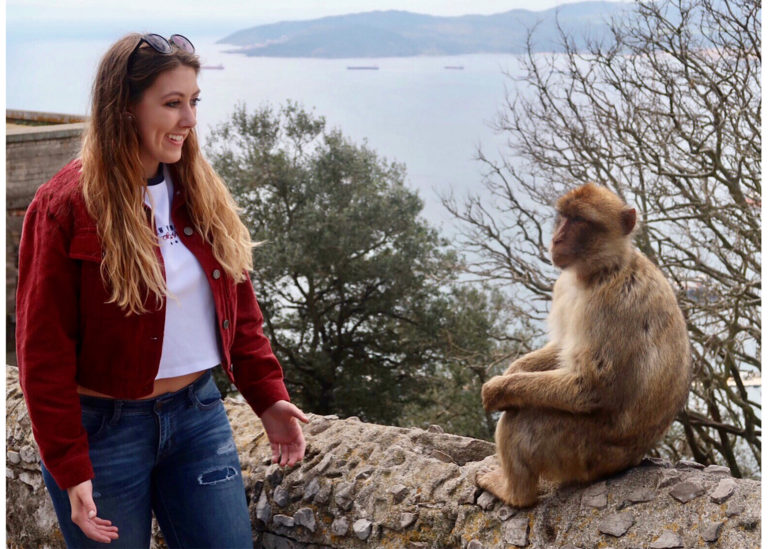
572	239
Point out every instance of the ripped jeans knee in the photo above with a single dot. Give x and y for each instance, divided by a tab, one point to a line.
217	476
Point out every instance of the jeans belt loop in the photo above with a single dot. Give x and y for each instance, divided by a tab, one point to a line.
116	411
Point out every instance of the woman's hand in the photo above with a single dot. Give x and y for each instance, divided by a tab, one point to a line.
285	436
84	514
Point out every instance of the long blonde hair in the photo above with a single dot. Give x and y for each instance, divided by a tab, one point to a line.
113	182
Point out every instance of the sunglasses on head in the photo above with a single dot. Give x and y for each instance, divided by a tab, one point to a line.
164	46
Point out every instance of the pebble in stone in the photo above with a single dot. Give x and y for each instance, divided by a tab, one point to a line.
417	545
13	457
362	475
641	495
724	490
505	512
686	491
284	520
435	429
617	524
734	509
362	528
474	544
717	469
340	526
343	495
407	520
668	478
28	454
441	456
263	509
486	500
599	501
710	531
667	540
33	480
305	517
280	496
654	461
323	495
274	475
311	490
466	495
515	531
398	492
324	463
688	464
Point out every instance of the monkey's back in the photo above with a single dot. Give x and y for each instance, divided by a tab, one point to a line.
649	340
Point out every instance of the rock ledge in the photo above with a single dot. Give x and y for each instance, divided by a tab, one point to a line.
366	485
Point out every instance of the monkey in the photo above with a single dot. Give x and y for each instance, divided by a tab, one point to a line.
615	371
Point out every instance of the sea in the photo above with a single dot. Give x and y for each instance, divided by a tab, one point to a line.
432	114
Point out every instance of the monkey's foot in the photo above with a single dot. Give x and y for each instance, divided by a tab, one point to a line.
496	483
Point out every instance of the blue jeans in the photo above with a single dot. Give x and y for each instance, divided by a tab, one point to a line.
173	455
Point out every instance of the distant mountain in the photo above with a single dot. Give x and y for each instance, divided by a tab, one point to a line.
402	33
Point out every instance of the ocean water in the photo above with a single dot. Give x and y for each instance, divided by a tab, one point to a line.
411	110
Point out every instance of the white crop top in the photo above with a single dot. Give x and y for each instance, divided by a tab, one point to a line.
190	341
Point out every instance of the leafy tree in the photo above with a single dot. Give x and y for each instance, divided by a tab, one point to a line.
667	114
354	285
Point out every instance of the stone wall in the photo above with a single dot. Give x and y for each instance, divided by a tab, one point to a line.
364	485
33	154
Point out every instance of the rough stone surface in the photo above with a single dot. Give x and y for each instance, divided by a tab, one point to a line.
284	521
710	531
616	524
686	491
667	540
33	155
305	517
722	469
362	528
516	531
340	526
367	465
725	489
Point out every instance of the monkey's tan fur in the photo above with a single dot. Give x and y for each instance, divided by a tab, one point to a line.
615	372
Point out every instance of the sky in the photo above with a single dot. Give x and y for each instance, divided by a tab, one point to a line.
60	17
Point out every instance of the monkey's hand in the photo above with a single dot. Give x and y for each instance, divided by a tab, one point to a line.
495	394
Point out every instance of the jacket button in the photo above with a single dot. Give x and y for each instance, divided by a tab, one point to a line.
216	274
225	324
189	231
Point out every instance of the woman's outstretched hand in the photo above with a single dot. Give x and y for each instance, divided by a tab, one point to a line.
285	435
84	514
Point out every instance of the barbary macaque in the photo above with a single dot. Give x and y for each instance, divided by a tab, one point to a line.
617	367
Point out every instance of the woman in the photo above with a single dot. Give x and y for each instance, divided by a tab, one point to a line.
120	319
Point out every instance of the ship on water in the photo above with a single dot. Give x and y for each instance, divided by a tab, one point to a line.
362	67
218	67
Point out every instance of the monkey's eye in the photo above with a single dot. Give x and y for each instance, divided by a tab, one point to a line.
578	219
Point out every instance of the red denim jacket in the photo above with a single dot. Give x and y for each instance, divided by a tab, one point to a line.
67	333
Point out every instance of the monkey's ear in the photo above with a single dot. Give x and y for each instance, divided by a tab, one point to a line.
628	220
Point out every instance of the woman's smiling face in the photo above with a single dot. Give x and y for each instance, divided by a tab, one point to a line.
165	115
